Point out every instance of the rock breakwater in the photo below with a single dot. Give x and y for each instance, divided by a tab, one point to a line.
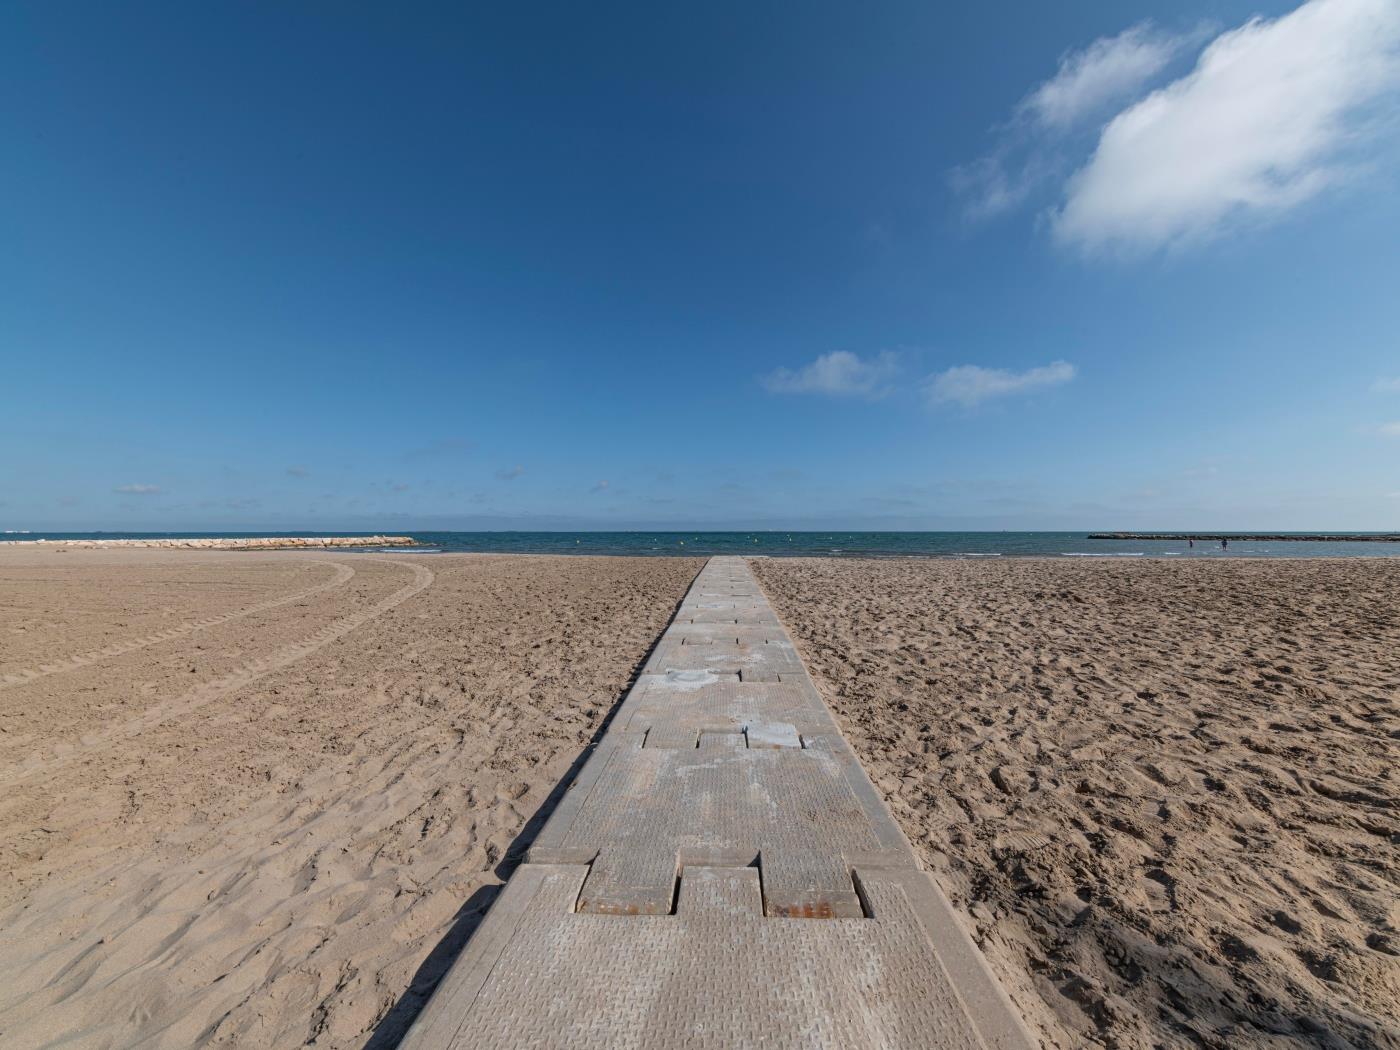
1275	537
229	543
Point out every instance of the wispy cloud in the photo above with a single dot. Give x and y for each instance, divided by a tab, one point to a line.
137	490
298	472
602	486
1274	113
1031	147
1386	386
1389	429
1004	180
1109	70
510	473
838	374
970	385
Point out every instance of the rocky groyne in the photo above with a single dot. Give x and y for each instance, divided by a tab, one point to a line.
1315	537
227	543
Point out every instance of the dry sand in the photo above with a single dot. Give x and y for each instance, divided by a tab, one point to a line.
262	799
1165	797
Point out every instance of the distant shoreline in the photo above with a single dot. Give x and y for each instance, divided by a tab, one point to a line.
1315	537
767	543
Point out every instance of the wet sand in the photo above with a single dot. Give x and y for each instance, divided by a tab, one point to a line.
262	799
1165	797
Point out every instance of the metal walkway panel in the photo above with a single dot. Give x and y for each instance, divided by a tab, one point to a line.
718	973
721	873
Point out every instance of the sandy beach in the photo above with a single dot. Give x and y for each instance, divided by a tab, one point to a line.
1165	797
261	799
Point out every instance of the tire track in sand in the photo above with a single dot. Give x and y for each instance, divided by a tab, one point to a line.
64	754
343	575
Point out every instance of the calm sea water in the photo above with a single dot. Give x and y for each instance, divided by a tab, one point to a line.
824	544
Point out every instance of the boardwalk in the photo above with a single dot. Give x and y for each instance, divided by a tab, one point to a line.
721	874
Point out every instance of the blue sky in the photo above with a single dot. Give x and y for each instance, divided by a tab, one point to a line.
1084	265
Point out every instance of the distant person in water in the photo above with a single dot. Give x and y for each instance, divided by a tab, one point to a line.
1224	544
1190	542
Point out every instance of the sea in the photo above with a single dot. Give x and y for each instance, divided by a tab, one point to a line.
780	544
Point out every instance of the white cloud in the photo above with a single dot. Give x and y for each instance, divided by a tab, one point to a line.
1031	149
602	486
1273	113
1387	386
1390	429
970	385
510	474
1108	70
137	490
839	373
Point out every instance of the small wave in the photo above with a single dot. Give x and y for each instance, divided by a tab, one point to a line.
1083	554
977	554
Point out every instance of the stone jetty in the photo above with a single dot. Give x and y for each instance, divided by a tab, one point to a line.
227	543
1275	537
